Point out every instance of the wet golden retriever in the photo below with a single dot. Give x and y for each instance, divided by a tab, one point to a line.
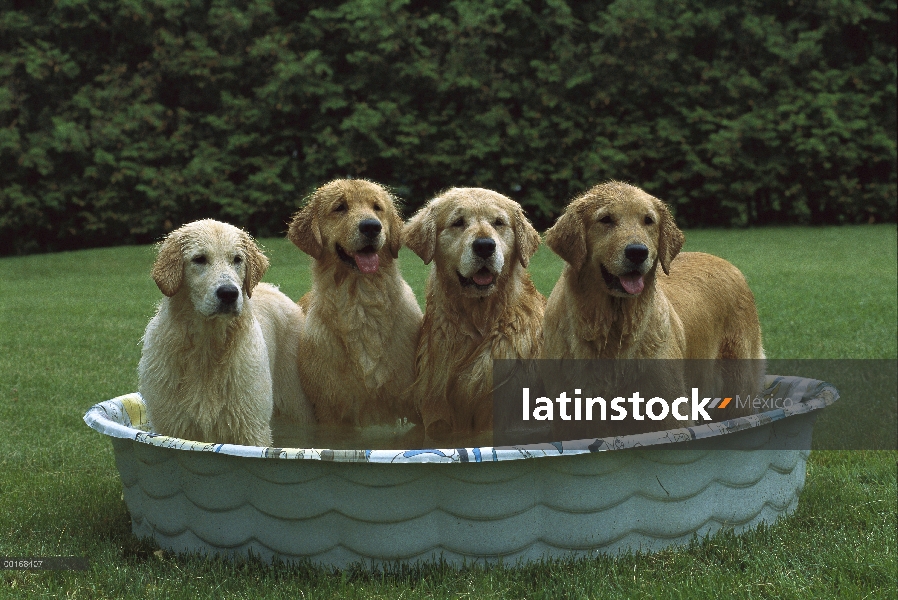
362	319
480	304
220	354
628	292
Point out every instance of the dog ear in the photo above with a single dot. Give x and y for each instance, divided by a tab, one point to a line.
256	264
526	236
396	231
305	233
420	233
168	270
670	238
567	238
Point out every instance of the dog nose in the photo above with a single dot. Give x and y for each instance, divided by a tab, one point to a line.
636	253
228	294
484	247
370	227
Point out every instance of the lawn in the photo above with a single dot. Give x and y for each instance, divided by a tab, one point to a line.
70	327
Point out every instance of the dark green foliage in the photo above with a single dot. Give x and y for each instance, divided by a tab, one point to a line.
121	119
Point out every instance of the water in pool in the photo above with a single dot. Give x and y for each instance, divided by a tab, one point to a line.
400	436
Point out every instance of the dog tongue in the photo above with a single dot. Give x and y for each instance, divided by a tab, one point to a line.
367	262
483	277
632	283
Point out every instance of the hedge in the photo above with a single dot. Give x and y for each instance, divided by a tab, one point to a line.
122	119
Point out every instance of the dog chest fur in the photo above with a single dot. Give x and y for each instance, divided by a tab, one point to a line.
608	327
375	322
187	377
460	341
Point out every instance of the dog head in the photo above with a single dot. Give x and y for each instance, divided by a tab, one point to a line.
352	222
474	236
619	231
212	262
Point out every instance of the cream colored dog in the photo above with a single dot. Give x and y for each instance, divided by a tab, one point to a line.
221	351
362	319
481	304
627	292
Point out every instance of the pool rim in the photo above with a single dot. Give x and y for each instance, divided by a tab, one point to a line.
116	418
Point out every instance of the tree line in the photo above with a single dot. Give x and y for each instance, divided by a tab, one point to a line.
122	119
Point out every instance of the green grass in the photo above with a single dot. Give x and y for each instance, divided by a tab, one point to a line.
70	326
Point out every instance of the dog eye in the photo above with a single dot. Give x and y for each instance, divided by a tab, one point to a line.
459	223
499	223
378	208
607	220
237	260
340	207
199	260
649	220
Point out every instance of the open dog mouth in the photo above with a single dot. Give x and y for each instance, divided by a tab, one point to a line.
364	260
631	283
481	280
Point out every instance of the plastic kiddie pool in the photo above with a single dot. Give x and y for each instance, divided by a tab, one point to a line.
464	505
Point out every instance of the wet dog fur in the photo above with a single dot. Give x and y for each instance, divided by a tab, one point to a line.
218	356
480	304
628	292
362	319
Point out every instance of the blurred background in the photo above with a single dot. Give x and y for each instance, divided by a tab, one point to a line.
122	119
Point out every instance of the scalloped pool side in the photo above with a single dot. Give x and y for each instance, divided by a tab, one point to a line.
336	514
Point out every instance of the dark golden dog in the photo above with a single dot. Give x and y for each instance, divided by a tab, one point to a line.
362	320
627	292
481	304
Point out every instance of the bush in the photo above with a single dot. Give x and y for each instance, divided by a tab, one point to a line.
123	119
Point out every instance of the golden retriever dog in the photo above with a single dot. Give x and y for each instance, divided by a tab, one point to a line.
220	354
362	319
480	304
613	301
